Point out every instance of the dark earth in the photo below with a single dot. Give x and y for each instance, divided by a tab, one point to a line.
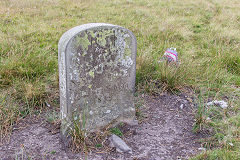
164	132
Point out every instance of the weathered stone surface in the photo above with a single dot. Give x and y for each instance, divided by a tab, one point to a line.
97	69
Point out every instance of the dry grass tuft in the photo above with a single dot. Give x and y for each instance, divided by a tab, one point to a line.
9	115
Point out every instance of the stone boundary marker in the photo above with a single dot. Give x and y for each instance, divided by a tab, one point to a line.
97	71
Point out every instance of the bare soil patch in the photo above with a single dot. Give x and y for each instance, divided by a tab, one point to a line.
164	133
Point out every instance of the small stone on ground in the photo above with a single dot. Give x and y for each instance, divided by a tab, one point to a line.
120	145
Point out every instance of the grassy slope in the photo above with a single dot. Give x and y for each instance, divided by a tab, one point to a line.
206	34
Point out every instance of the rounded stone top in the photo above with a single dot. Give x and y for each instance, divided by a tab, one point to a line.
68	35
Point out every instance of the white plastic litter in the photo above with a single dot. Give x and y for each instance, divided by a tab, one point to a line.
231	144
221	104
181	106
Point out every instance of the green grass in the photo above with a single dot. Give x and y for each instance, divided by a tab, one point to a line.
206	34
79	134
116	131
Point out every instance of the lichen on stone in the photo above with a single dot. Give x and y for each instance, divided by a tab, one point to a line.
91	73
83	40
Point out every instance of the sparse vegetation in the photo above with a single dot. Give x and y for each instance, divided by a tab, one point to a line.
79	134
84	141
206	34
52	117
223	126
53	152
9	114
139	106
116	131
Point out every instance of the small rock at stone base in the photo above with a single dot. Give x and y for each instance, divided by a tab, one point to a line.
120	145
